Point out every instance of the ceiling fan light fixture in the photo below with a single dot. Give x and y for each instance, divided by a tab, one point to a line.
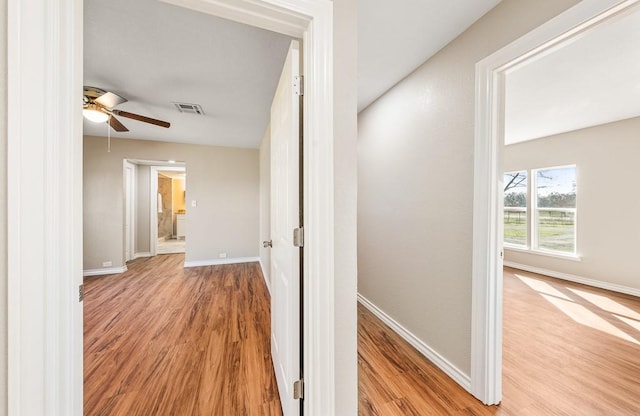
92	113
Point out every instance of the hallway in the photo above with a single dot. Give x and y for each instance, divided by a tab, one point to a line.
161	339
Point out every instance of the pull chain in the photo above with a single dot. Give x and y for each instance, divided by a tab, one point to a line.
109	135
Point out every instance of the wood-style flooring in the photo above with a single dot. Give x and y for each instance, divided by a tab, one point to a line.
569	350
164	340
160	339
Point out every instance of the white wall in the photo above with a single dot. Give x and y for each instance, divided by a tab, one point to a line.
3	208
265	204
608	235
224	181
415	185
345	154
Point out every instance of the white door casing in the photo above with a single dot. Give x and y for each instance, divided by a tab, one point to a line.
129	197
285	216
486	323
45	55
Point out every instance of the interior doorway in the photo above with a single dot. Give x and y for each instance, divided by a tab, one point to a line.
58	327
170	219
487	296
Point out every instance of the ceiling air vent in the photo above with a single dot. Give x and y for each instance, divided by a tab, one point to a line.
189	108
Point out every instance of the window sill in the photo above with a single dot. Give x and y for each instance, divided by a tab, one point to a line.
571	257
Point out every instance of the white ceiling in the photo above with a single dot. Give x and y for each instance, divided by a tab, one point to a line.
591	81
153	53
395	37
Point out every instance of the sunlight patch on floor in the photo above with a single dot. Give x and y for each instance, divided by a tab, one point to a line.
584	316
542	287
607	304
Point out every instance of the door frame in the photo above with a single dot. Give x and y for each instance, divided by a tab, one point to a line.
486	325
44	152
129	199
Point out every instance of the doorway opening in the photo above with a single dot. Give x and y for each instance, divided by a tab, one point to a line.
169	215
487	295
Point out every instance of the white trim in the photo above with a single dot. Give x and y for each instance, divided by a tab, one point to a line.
432	355
486	325
142	254
264	275
199	263
105	271
574	278
130	204
44	170
557	255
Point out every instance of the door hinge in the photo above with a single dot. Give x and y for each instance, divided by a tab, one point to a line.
298	389
81	293
298	84
298	237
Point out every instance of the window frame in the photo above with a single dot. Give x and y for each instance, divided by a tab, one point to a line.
527	237
534	229
532	210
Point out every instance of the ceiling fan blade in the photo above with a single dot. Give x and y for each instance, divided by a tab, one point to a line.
142	118
110	100
116	125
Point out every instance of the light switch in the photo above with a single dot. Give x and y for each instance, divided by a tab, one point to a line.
194	203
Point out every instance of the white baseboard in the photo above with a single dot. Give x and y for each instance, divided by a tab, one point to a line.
442	363
576	279
266	276
198	263
143	254
108	270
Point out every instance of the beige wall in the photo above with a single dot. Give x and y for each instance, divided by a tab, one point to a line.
265	203
608	237
224	182
345	130
415	186
3	208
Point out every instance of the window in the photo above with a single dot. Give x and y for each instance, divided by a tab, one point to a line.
540	210
515	208
555	209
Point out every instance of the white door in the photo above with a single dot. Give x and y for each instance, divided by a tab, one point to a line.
285	217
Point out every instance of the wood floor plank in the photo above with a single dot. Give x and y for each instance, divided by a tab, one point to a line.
568	350
160	339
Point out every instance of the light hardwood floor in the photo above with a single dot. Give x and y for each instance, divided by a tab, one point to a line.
164	340
568	350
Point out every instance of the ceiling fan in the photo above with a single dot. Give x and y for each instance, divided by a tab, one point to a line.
98	106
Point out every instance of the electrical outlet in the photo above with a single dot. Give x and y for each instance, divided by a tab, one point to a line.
194	203
107	264
223	255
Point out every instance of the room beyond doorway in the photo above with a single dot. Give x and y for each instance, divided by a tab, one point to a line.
171	210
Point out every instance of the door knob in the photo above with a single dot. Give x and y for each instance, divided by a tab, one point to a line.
267	244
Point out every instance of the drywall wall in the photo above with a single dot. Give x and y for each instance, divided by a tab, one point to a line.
345	132
224	181
607	170
265	204
3	208
415	185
